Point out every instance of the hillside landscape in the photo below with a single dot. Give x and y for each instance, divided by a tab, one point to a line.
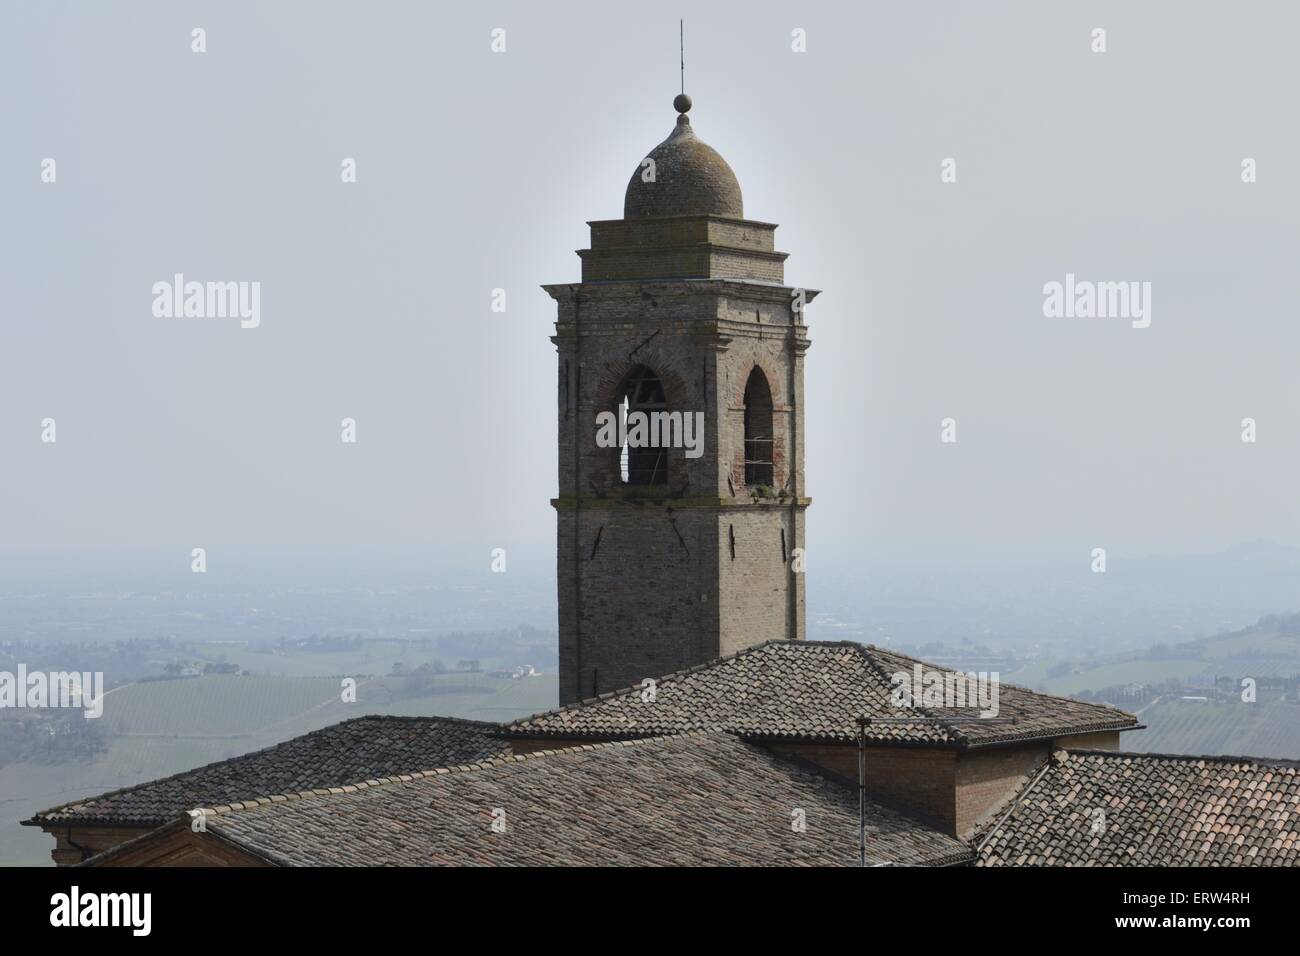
1232	694
156	727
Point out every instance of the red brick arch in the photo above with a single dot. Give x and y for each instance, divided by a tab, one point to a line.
775	384
605	461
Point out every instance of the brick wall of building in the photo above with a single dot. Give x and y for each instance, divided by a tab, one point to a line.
654	580
637	601
987	779
957	789
918	779
756	579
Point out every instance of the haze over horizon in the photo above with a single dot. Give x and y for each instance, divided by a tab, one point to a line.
587	434
1072	434
1042	610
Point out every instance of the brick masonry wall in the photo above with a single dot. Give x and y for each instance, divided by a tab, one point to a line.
644	605
755	577
682	247
647	582
987	779
917	779
957	789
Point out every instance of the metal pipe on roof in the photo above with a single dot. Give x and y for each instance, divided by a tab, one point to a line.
862	790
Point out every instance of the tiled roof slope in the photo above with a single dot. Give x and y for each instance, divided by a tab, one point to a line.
1155	810
704	799
349	752
811	690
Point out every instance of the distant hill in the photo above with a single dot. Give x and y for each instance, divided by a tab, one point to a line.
1268	648
1053	608
1155	683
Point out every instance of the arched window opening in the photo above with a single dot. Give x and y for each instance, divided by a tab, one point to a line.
758	430
641	392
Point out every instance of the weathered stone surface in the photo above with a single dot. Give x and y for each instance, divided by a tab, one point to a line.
690	178
654	579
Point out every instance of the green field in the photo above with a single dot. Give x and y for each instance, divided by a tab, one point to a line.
164	727
372	657
1266	649
1200	727
1115	673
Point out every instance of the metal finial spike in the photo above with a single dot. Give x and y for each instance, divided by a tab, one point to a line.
682	102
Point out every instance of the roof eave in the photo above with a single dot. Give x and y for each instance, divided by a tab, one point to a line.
762	737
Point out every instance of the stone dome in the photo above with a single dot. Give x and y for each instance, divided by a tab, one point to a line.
691	179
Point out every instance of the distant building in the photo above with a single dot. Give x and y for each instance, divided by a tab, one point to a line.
517	672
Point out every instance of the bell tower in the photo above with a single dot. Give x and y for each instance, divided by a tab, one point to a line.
677	545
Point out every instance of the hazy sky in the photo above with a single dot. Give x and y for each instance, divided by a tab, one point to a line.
479	170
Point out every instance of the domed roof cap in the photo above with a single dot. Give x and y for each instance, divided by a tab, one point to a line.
689	177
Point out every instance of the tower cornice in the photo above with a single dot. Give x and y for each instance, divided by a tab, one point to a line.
704	502
668	286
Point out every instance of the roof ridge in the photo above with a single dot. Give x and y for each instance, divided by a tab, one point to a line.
861	646
1287	763
671	675
1036	716
488	763
126	846
416	717
35	818
957	736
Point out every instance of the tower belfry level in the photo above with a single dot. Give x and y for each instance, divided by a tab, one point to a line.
667	560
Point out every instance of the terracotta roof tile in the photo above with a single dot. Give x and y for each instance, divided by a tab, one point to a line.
1096	808
813	690
345	753
699	799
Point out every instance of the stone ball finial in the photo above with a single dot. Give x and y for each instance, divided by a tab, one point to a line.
682	103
